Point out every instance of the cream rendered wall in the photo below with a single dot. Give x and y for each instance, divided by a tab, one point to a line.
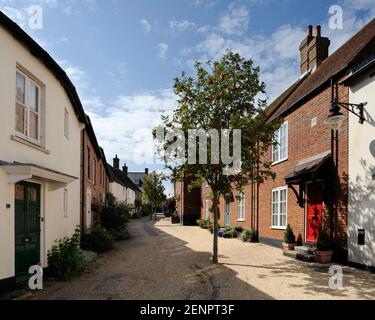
131	197
361	210
118	190
64	154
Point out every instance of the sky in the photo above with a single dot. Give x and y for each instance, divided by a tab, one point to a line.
122	55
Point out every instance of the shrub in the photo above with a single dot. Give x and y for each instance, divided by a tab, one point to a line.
220	233
114	217
66	259
289	236
299	240
250	234
99	240
121	235
227	229
204	223
239	229
324	243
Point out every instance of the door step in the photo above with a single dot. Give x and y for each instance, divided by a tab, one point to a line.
303	256
305	249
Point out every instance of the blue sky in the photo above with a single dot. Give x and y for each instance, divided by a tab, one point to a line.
122	55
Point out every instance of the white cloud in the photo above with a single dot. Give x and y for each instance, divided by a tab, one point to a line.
163	50
146	26
235	22
181	26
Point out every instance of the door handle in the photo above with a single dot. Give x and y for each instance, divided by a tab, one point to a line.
27	240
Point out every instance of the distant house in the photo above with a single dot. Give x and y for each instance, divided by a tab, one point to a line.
40	134
121	186
95	176
138	177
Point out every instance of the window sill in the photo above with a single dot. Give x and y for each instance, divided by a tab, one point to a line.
241	220
278	228
29	143
280	161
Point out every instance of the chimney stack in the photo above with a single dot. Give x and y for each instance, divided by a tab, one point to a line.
313	49
146	171
125	169
116	162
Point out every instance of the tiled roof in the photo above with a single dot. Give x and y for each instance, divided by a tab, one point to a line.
118	176
333	67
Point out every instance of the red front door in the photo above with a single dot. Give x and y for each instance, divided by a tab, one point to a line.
314	212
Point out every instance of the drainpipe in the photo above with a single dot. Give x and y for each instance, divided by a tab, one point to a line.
83	182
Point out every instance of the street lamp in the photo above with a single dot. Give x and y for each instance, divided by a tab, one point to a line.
336	118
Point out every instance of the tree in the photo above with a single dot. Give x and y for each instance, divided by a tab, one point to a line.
221	95
154	190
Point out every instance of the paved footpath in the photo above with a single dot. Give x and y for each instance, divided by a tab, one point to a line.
165	261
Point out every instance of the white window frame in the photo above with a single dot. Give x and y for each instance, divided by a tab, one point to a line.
26	134
278	226
276	147
206	209
66	123
65	203
94	170
241	206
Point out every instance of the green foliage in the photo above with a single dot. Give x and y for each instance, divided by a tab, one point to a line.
299	240
324	243
99	240
289	236
221	95
204	223
250	234
114	217
121	235
110	199
227	229
66	259
154	190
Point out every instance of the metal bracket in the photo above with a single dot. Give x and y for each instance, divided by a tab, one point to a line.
356	109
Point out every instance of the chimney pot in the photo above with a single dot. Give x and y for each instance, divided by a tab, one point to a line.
125	169
318	31
116	162
309	30
146	171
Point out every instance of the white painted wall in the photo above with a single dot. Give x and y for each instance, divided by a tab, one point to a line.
361	210
64	154
119	191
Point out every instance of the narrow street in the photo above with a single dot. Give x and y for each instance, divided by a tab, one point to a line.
165	261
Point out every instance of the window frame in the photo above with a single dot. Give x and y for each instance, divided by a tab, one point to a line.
88	163
206	209
276	147
28	109
94	170
66	123
65	203
241	206
278	214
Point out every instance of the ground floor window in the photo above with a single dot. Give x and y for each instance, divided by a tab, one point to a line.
279	207
241	206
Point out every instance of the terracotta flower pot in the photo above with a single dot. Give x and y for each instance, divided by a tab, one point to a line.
288	246
323	256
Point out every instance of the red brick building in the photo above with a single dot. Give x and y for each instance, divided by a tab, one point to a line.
94	176
310	159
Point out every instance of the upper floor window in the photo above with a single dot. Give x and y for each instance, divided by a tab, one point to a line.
28	101
65	203
279	207
88	164
94	170
207	209
66	123
280	147
241	206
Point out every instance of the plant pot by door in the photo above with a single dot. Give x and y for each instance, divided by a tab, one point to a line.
288	246
323	256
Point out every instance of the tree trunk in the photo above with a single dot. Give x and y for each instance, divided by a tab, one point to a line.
215	259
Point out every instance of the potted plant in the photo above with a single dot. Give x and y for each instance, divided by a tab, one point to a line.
253	235
289	239
324	252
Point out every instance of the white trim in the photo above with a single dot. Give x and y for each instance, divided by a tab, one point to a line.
278	131
242	201
279	227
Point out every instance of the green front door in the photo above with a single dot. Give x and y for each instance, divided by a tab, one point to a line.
27	226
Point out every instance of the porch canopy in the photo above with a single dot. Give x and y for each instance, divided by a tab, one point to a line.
17	172
312	169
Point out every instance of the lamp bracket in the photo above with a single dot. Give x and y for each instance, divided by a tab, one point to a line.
355	108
